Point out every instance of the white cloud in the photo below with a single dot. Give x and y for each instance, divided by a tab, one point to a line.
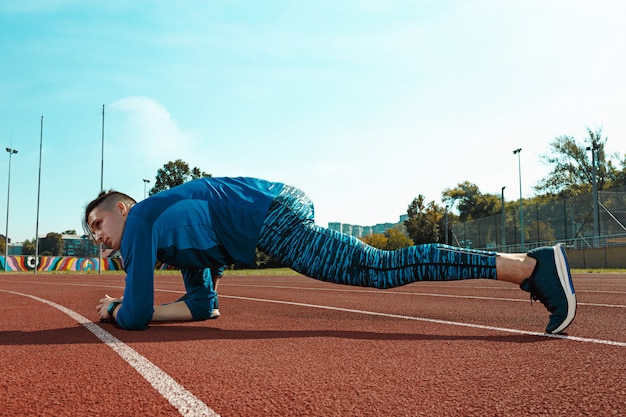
147	127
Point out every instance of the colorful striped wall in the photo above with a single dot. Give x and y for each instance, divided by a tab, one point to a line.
60	263
67	263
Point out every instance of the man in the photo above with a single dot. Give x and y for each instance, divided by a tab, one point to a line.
210	222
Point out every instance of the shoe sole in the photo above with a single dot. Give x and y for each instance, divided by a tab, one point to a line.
565	278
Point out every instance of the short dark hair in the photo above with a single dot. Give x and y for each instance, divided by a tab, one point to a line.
107	199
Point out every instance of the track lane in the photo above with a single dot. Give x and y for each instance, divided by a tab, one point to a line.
276	359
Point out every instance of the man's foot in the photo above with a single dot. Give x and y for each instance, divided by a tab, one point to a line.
551	283
215	314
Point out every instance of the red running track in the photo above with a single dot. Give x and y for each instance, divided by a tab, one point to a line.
292	346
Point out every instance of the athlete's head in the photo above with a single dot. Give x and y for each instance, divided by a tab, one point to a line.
105	217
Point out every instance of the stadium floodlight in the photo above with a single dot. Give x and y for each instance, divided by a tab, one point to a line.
503	221
594	190
145	182
11	152
38	198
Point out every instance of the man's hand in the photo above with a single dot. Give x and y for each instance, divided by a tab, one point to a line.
103	306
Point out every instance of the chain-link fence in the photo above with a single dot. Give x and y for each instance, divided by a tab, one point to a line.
569	221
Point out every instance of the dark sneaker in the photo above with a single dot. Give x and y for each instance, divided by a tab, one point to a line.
551	283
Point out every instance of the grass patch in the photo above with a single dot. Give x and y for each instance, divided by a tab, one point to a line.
598	271
244	272
262	272
276	272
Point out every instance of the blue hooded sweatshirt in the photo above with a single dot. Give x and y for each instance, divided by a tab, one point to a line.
204	223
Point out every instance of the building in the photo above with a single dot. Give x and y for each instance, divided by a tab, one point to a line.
79	246
361	231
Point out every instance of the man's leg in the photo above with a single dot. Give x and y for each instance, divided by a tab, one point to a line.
331	256
290	235
216	275
514	267
200	298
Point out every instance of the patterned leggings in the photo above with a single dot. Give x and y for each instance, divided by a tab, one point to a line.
290	235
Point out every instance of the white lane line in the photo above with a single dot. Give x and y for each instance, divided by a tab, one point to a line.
184	401
452	323
360	290
382	292
478	326
387	292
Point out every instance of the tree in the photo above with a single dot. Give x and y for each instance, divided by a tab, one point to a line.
392	239
51	245
573	169
620	176
377	240
471	203
175	173
397	239
423	222
28	247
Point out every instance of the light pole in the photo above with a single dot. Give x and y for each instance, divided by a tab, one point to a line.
503	224
38	195
101	188
594	185
145	182
521	206
6	236
446	222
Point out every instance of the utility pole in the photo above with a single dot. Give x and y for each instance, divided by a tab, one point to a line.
521	206
38	194
503	223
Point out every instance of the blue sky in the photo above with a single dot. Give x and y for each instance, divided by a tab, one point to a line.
362	104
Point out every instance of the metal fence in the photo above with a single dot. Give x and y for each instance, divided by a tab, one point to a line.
569	221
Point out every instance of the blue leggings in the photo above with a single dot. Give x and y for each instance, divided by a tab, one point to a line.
290	235
200	295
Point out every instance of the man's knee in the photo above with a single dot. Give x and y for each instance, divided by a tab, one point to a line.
201	309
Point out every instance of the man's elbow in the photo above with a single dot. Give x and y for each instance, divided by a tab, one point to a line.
135	322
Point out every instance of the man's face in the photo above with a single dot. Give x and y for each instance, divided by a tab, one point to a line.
107	226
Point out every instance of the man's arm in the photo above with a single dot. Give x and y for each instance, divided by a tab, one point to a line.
103	307
177	311
139	256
